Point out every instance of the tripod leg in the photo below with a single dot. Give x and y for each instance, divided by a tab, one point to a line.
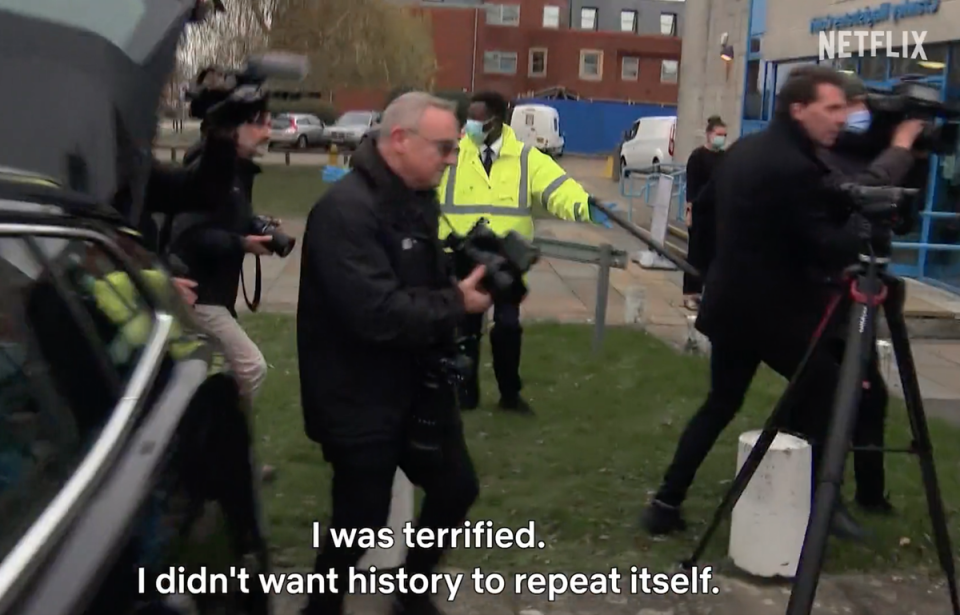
842	422
767	436
893	308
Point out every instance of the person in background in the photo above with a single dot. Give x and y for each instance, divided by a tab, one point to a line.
498	178
699	218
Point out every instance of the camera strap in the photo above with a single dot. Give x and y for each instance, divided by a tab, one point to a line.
257	286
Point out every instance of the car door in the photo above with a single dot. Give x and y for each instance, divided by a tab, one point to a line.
114	433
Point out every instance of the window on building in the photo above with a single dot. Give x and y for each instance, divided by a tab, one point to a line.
551	16
755	45
753	97
872	68
503	14
500	62
591	64
907	64
630	69
668	24
784	68
628	20
669	70
537	63
588	18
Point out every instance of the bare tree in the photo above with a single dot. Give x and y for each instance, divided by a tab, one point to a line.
356	43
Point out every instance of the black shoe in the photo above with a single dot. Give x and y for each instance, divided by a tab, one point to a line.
875	505
660	519
845	527
415	605
517	405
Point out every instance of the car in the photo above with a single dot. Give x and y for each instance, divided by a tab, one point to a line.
124	446
351	127
300	130
649	142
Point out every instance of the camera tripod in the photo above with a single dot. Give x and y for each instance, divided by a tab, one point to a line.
869	287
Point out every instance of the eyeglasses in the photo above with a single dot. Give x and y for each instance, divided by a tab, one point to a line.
445	147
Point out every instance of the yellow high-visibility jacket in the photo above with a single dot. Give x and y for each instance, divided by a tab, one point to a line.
521	178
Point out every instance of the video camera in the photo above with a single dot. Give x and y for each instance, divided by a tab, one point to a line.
506	259
228	98
881	207
914	100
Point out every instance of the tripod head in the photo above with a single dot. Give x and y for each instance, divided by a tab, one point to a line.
878	208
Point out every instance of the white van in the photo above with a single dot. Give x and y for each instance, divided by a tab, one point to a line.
649	142
538	126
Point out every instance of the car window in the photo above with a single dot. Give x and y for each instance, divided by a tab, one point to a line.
72	331
280	122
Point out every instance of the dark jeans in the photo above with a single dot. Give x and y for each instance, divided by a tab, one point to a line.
361	493
732	368
506	339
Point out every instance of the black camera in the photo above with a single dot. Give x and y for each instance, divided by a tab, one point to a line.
280	243
881	207
227	98
506	260
436	403
914	100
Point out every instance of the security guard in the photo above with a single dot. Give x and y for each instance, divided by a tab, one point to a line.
499	178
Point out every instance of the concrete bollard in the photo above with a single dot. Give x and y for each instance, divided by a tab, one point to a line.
885	359
633	302
770	519
697	342
401	513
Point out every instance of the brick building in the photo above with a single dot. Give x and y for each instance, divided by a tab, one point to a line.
530	46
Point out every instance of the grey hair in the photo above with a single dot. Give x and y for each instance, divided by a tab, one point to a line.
407	109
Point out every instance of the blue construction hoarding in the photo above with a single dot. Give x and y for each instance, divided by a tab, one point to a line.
596	127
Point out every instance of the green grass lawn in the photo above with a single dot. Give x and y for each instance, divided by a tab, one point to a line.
587	464
290	192
287	192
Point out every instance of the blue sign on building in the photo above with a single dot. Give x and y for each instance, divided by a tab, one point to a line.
870	16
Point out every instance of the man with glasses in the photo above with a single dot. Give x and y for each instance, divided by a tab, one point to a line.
376	303
500	179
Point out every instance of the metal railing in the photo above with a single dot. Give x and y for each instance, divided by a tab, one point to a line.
342	158
604	256
631	188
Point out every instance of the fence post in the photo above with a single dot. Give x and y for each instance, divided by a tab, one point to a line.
286	157
603	291
173	154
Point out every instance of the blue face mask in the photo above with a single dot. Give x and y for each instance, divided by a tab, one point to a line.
858	121
475	130
718	141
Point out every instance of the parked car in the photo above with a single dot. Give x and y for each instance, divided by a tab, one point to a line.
299	130
124	446
539	126
649	142
350	129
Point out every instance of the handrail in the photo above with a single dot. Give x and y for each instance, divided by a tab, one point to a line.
605	256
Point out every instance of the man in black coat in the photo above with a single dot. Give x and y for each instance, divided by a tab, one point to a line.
778	239
377	304
854	159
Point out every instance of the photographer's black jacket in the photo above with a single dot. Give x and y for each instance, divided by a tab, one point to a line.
849	162
211	244
778	236
376	297
173	190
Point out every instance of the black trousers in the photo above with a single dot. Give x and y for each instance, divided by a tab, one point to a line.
361	492
506	339
732	368
700	251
